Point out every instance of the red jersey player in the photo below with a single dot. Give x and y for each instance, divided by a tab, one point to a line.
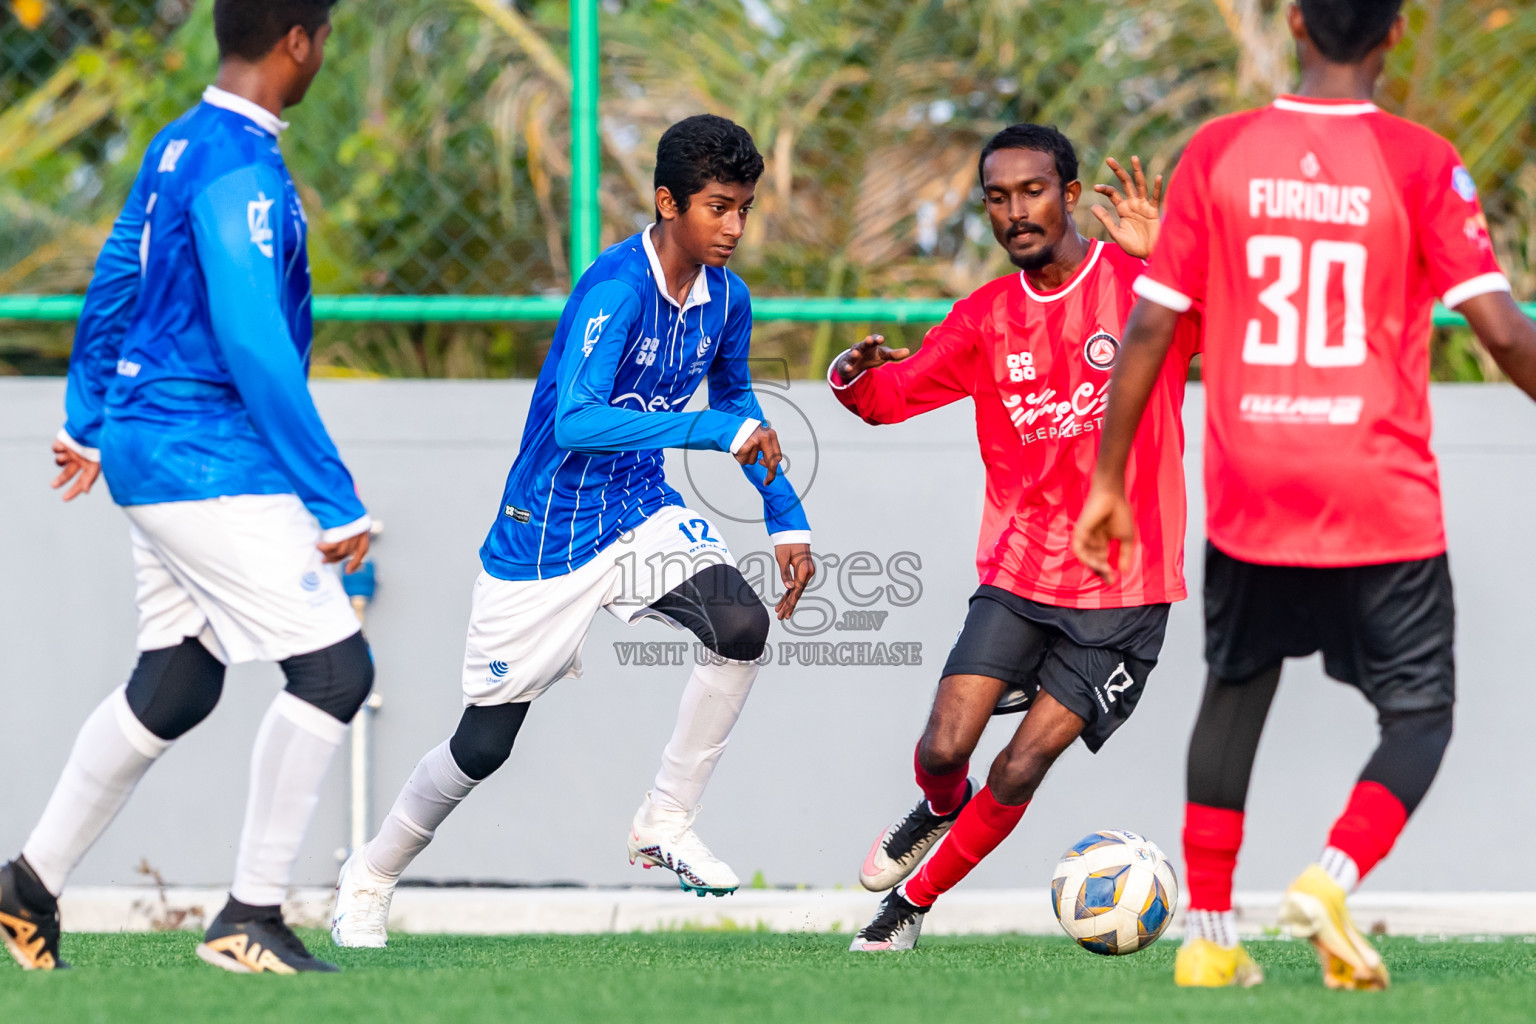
1316	232
1034	351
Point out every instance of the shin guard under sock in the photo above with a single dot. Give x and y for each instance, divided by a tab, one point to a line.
1370	824
980	827
293	750
435	788
711	704
944	790
1212	837
110	756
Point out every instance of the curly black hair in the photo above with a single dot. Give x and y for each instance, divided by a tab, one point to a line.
248	29
1344	31
701	149
1038	137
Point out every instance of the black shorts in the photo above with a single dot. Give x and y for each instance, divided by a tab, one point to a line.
1388	630
1094	661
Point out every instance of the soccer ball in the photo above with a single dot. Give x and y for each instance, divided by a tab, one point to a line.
1114	892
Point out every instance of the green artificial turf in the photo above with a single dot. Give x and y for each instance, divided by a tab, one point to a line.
677	977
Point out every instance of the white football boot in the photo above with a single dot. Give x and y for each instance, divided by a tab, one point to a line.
904	844
664	841
896	926
360	915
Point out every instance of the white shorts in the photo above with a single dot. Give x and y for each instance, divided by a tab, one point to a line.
527	635
240	573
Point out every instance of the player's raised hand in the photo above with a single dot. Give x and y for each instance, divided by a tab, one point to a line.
762	446
1106	519
796	569
353	550
867	355
74	466
1137	226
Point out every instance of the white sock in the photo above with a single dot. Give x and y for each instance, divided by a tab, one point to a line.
1340	867
434	789
292	753
1218	926
712	701
110	756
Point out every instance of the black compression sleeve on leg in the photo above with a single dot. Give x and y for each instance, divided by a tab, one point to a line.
1408	757
174	688
484	738
335	679
719	606
1226	738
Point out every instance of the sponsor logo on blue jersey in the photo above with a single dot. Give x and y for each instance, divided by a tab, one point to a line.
258	214
594	332
171	154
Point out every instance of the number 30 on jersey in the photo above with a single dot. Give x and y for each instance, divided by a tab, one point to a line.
1280	298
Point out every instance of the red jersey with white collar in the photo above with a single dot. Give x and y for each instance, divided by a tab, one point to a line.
1317	234
1037	365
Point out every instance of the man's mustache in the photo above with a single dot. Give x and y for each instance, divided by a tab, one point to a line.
1025	229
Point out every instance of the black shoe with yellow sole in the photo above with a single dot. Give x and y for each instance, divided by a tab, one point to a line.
29	918
254	940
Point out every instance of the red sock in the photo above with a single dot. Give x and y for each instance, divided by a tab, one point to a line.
1212	837
981	826
1370	824
944	792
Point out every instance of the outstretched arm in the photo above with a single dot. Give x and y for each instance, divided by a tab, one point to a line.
885	385
1106	513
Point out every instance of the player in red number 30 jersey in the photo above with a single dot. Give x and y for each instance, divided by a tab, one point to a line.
1317	232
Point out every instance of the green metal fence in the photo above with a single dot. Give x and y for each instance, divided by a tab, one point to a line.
459	169
498	309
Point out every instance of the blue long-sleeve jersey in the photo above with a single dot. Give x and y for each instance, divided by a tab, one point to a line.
625	361
189	372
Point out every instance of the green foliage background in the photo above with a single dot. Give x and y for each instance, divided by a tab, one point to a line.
433	150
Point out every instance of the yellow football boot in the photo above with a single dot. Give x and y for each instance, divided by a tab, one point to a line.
1314	909
1201	963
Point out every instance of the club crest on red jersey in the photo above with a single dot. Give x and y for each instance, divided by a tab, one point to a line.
1101	350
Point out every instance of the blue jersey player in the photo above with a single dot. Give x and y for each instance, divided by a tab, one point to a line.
188	391
587	521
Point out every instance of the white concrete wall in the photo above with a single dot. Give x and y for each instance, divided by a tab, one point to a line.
822	758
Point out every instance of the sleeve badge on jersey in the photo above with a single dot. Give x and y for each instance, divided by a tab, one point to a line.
1476	230
594	332
258	217
1462	183
171	154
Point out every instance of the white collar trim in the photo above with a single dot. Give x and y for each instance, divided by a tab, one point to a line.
1094	248
1302	106
226	100
697	295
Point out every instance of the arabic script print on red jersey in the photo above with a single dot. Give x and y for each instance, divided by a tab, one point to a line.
1038	365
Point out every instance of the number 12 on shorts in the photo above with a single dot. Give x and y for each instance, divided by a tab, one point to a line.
1279	298
702	526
